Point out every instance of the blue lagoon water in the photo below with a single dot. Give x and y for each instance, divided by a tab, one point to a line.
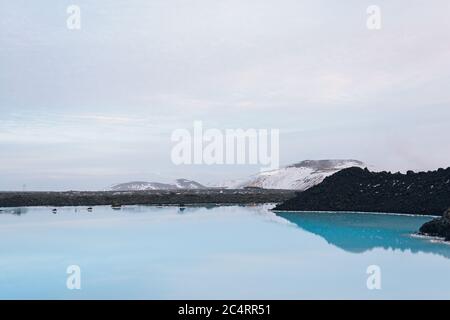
231	252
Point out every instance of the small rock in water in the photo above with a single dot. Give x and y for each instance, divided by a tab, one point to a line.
446	215
439	227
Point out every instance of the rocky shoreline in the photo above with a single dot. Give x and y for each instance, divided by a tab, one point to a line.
439	227
151	197
360	190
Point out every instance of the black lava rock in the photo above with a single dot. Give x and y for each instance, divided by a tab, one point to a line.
356	189
148	197
439	227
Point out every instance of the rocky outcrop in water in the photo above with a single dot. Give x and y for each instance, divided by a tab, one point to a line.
356	189
439	227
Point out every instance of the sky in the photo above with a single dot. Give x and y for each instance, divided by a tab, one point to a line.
84	109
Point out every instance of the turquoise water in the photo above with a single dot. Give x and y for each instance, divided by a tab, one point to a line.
231	252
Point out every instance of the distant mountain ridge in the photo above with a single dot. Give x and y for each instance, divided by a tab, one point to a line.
299	176
144	185
356	189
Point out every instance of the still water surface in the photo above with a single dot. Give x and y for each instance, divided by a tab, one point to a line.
233	252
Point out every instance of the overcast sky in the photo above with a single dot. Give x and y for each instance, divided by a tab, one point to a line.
83	109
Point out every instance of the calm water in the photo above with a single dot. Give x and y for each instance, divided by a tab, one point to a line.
213	253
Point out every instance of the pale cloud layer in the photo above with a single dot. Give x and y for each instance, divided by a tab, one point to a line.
88	108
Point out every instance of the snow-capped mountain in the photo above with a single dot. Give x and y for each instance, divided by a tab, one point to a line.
188	184
143	185
299	176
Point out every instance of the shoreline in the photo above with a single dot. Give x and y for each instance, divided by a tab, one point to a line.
360	212
151	197
433	239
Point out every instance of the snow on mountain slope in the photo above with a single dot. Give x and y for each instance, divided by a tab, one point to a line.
188	184
299	176
143	185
